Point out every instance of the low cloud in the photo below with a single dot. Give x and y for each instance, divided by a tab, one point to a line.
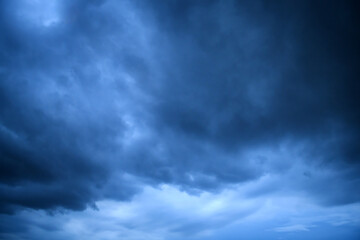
101	101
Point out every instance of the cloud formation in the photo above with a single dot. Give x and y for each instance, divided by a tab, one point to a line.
102	100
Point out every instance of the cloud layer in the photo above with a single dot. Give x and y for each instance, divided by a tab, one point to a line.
101	101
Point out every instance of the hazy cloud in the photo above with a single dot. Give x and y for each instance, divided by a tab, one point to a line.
101	101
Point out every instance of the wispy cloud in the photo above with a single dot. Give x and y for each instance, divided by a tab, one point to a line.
293	228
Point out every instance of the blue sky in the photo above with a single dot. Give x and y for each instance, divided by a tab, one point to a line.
169	120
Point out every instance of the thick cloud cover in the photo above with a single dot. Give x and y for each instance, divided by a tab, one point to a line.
100	100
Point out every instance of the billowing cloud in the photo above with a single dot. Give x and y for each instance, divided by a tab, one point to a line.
103	103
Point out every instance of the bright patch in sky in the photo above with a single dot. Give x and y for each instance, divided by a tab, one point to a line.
38	12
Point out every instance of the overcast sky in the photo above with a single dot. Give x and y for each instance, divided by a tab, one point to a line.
176	119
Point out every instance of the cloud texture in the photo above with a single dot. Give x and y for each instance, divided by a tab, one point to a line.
103	102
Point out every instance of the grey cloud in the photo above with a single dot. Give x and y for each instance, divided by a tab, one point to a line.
175	93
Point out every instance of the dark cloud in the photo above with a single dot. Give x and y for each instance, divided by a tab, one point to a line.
97	97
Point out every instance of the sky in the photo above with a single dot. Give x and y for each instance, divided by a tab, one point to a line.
179	119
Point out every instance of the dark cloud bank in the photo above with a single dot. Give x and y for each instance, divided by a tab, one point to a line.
99	98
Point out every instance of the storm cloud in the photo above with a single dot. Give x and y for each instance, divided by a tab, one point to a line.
131	105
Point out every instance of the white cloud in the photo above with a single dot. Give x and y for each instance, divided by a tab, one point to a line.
293	228
168	213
